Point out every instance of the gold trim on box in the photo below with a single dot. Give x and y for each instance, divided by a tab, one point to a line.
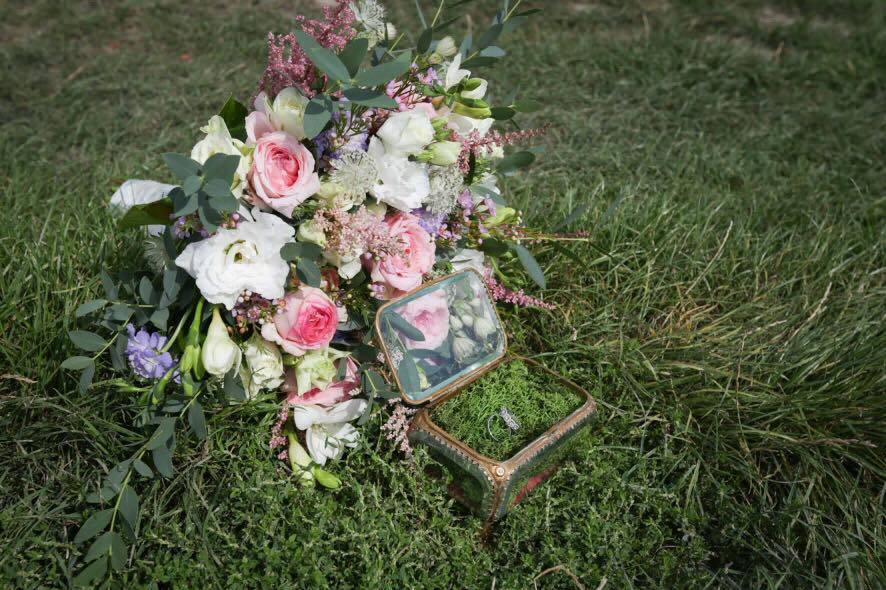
464	379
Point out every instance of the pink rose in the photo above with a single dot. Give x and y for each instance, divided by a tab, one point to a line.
308	321
430	314
336	392
395	275
283	172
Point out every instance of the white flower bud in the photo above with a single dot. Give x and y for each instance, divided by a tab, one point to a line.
462	349
446	47
220	354
483	327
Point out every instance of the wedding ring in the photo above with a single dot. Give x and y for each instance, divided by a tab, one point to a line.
507	417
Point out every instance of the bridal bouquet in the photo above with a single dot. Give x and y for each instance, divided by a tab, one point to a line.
360	168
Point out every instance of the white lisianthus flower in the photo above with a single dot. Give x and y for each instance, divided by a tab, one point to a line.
454	73
218	140
327	431
219	354
468	258
406	133
404	184
316	368
478	92
446	47
264	365
244	258
464	125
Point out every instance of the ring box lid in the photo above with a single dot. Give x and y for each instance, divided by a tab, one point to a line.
440	336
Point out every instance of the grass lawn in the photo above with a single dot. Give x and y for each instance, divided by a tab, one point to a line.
729	303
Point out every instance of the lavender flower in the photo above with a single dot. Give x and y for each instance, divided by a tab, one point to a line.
429	221
143	353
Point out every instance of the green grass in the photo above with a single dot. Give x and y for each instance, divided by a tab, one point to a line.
730	298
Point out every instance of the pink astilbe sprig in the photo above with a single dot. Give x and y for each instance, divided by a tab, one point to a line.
501	293
397	426
350	234
288	64
474	143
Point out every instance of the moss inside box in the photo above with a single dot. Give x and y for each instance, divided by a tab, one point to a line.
535	398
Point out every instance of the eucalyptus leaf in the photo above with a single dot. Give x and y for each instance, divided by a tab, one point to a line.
493	51
146	290
182	166
527	105
93	525
308	272
503	113
318	112
100	547
142	468
370	98
326	61
296	250
221	167
189	205
129	506
353	53
162	458
156	213
197	420
118	552
408	373
192	184
90	307
234	114
90	574
530	264
515	161
489	37
159	318
424	40
89	341
76	363
382	73
403	326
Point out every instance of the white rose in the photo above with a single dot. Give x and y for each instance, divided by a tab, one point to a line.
406	133
446	47
219	354
234	260
264	365
288	112
404	184
468	258
218	140
454	73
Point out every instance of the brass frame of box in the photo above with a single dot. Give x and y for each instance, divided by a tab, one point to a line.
496	476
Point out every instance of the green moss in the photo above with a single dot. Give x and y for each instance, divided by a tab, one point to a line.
535	398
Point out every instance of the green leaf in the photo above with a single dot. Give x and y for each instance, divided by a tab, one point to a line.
382	73
118	552
365	353
493	51
424	40
307	272
89	341
164	430
197	420
296	250
370	98
91	573
527	105
162	458
90	307
479	61
129	506
181	166
93	525
76	363
353	53
209	217
326	479
489	37
408	373
403	326
232	387
493	247
318	112
192	184
234	114
515	161
503	113
159	318
221	167
466	45
99	547
188	206
142	468
326	61
108	284
531	266
146	290
156	213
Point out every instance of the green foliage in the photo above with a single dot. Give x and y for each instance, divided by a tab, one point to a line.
533	397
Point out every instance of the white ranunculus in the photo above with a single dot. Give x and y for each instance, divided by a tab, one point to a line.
468	258
218	140
454	73
219	354
404	184
264	365
406	133
478	92
244	258
327	431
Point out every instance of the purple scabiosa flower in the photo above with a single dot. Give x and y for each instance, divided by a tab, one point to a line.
429	221
143	353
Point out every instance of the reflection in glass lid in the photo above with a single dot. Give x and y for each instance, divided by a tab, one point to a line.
440	333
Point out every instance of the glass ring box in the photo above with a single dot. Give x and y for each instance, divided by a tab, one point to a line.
497	421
